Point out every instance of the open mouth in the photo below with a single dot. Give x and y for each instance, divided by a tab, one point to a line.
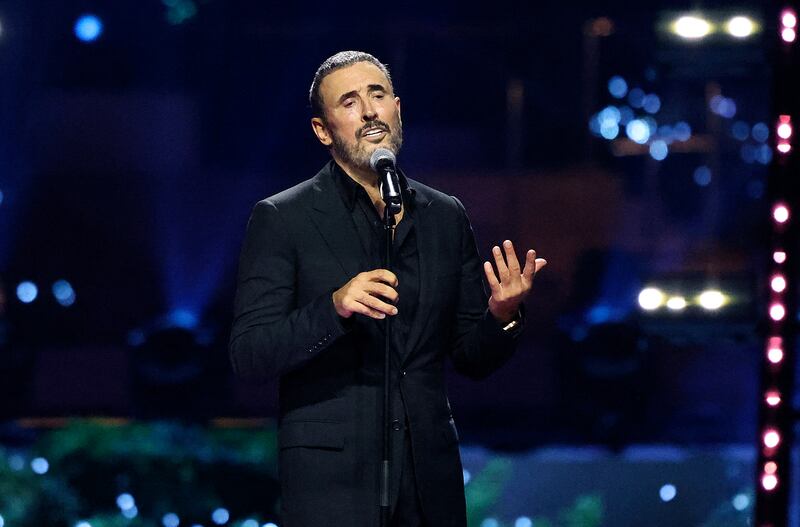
374	132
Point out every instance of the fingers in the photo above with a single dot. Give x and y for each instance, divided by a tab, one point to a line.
494	285
376	308
502	268
383	275
511	259
530	265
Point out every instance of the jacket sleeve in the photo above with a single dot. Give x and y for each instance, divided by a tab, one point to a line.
271	335
480	345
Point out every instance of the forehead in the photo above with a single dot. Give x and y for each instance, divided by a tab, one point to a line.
355	77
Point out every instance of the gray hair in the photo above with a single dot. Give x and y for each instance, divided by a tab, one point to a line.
331	64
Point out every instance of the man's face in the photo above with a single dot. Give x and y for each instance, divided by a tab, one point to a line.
361	114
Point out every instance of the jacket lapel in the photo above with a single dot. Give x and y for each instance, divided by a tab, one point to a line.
426	251
332	219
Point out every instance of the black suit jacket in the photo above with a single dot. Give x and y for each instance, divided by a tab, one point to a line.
301	245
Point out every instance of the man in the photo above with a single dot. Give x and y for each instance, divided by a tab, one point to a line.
310	306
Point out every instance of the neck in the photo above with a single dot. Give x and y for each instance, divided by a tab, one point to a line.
364	177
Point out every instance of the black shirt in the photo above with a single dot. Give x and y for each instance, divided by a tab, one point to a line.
405	257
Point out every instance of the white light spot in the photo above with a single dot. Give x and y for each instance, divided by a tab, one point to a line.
788	19
638	131
769	481
667	492
779	257
773	398
788	34
83	524
676	303
741	27
270	524
778	283
771	438
691	27
651	298
711	300
777	312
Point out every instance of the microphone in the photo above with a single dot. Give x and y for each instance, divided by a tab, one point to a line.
382	161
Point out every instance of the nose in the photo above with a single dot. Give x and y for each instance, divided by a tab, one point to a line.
369	111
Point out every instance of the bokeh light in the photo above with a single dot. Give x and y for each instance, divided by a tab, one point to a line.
88	28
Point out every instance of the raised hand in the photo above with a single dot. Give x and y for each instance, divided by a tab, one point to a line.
510	285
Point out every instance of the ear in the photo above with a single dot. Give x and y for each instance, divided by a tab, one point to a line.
397	103
321	131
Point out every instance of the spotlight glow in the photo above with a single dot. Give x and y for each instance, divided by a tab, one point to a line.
784	130
777	312
88	28
779	257
770	467
788	19
667	493
784	147
27	292
775	355
788	34
691	27
711	300
771	438
740	27
773	398
778	283
638	131
780	213
769	481
676	303
651	298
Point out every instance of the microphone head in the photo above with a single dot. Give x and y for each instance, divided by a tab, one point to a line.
381	159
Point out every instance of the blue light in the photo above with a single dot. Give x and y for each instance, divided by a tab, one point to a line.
702	176
665	132
182	318
2	521
125	501
764	154
723	106
220	516
490	522
249	523
651	103
1	202
609	131
467	476
667	492
638	131
594	125
83	524
740	502
64	293
659	150
682	131
27	292
170	520
609	114
16	462
599	314
625	115
270	524
760	132
740	130
636	97
523	521
40	465
131	513
88	28
618	87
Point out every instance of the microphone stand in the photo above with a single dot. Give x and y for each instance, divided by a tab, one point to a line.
392	205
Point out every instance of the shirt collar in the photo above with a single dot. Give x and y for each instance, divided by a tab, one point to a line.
349	188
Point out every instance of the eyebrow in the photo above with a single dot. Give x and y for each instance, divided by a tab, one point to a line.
370	88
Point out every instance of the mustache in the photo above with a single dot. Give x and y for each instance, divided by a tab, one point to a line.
373	125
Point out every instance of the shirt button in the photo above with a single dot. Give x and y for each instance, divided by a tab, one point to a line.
396	424
403	373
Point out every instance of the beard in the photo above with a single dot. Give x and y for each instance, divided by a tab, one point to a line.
357	154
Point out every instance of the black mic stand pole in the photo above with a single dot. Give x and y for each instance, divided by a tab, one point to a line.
392	206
